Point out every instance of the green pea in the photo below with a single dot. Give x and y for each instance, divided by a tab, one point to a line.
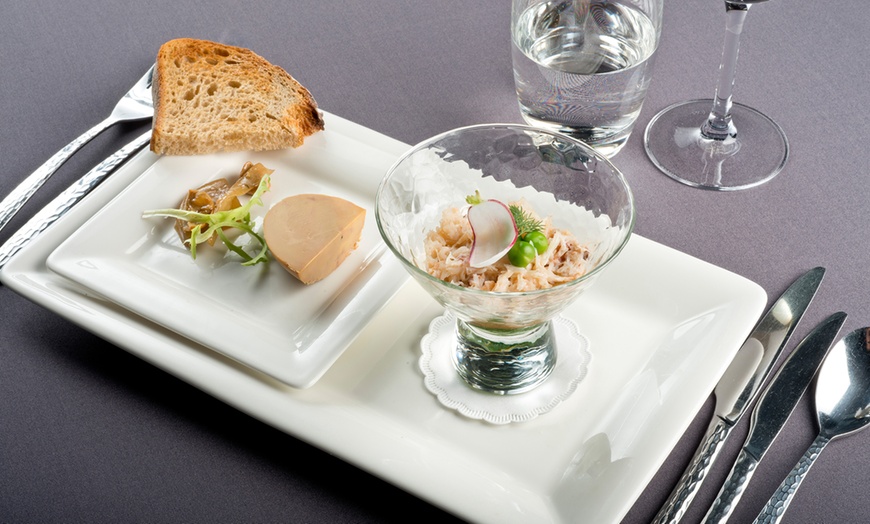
537	239
522	253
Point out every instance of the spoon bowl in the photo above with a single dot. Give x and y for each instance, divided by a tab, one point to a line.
842	399
843	386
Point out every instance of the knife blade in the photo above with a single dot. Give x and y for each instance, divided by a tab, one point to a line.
68	199
740	384
772	411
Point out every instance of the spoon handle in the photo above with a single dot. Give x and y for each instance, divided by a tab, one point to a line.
778	503
675	507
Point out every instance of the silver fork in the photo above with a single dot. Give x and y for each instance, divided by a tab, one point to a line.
136	104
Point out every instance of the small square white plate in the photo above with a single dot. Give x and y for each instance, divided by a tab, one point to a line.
259	315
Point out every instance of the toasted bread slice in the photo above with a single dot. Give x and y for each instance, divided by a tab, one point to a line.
211	97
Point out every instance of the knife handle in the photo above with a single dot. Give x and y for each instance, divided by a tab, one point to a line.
675	507
778	503
732	490
68	199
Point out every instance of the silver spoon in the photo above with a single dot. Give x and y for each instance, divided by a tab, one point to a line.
842	405
136	104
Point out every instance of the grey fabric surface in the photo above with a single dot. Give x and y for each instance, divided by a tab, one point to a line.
89	433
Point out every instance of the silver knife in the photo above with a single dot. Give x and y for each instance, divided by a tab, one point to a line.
740	384
68	199
773	409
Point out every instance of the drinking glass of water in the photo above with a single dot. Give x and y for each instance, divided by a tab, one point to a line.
582	67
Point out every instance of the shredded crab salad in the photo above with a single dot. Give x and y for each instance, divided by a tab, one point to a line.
556	256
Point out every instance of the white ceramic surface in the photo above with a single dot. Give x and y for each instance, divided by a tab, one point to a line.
662	326
260	315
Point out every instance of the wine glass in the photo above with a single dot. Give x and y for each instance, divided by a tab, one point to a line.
717	144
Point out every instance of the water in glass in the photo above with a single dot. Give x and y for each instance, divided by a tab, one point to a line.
583	68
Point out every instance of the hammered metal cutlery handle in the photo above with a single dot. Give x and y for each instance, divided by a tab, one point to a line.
66	200
732	490
136	104
778	503
681	497
19	196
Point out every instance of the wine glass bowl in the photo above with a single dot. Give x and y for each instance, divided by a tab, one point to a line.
559	177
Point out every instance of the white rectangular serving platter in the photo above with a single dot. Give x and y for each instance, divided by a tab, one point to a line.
662	327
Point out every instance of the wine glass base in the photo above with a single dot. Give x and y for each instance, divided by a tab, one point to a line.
674	143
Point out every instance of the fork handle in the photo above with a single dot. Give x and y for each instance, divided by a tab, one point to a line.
19	196
68	199
778	503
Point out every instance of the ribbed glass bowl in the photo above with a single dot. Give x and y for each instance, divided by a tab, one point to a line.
559	177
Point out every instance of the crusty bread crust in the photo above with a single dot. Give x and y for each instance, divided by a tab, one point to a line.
211	97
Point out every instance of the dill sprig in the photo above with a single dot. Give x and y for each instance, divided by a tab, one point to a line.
526	222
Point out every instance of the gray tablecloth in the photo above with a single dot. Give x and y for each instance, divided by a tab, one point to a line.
89	433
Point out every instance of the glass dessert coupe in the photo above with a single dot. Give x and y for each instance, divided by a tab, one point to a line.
504	341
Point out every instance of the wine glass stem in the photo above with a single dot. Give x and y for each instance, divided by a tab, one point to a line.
718	125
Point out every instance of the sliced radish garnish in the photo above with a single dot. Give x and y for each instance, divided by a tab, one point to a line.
494	230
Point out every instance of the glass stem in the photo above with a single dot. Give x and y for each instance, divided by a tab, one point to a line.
718	125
